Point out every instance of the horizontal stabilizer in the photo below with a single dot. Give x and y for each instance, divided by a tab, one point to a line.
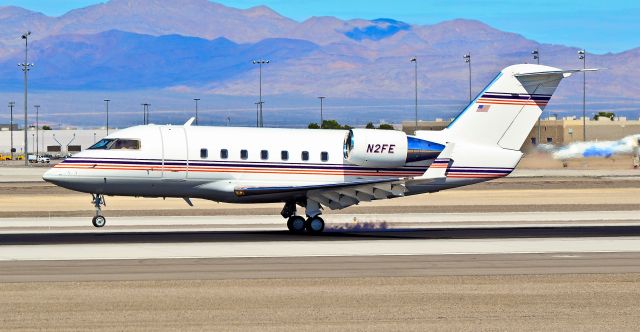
440	166
565	73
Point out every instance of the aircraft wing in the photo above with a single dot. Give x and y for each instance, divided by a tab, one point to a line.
335	195
344	194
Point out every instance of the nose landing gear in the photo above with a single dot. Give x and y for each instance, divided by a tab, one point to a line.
98	201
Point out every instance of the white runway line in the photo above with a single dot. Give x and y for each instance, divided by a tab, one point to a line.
317	248
422	218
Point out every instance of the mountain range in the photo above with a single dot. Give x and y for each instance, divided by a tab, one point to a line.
204	48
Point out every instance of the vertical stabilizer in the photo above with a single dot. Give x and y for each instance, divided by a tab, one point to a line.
504	113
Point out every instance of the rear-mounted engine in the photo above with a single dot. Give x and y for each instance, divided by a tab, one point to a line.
387	148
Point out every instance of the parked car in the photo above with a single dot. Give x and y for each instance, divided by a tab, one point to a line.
39	159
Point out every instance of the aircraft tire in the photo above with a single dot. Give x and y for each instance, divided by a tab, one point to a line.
314	225
296	224
99	221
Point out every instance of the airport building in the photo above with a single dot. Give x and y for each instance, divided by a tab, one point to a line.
556	131
52	142
6	126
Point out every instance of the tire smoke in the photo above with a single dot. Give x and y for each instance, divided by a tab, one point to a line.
359	226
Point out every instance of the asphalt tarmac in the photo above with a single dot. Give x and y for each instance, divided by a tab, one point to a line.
560	259
320	267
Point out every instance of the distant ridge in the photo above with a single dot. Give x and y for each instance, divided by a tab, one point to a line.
203	46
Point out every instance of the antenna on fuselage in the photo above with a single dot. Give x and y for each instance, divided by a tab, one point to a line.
189	122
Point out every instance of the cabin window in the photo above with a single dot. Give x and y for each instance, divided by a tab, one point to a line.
284	155
204	153
305	155
224	154
324	156
264	154
244	154
116	144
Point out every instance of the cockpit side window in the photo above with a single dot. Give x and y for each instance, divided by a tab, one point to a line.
116	144
103	144
125	144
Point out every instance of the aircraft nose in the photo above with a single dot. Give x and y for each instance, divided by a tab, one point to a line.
50	175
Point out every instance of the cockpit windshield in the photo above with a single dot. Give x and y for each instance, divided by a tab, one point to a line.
116	144
103	144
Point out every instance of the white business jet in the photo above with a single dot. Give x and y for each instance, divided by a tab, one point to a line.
315	169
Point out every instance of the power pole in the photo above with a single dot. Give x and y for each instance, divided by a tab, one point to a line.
37	130
536	56
196	99
107	105
321	116
258	108
260	63
415	61
582	55
467	59
11	104
145	110
25	67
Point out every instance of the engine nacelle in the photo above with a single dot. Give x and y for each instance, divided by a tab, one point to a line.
386	148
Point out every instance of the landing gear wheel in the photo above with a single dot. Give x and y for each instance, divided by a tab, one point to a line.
296	224
99	221
314	225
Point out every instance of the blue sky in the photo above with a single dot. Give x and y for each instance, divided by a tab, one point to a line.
598	26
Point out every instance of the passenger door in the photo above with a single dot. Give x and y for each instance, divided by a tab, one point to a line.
175	163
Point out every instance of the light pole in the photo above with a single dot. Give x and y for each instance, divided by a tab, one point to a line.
321	117
25	67
536	56
467	59
196	99
258	106
582	55
260	63
37	131
145	110
415	61
106	102
11	104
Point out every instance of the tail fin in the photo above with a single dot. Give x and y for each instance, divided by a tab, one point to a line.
506	110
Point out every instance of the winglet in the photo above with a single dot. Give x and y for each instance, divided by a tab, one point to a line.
439	167
189	122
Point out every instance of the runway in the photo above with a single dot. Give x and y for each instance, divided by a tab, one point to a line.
435	234
467	267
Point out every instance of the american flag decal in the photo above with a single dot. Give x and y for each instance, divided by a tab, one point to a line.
483	108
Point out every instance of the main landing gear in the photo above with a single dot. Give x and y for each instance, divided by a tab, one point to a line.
98	201
298	224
